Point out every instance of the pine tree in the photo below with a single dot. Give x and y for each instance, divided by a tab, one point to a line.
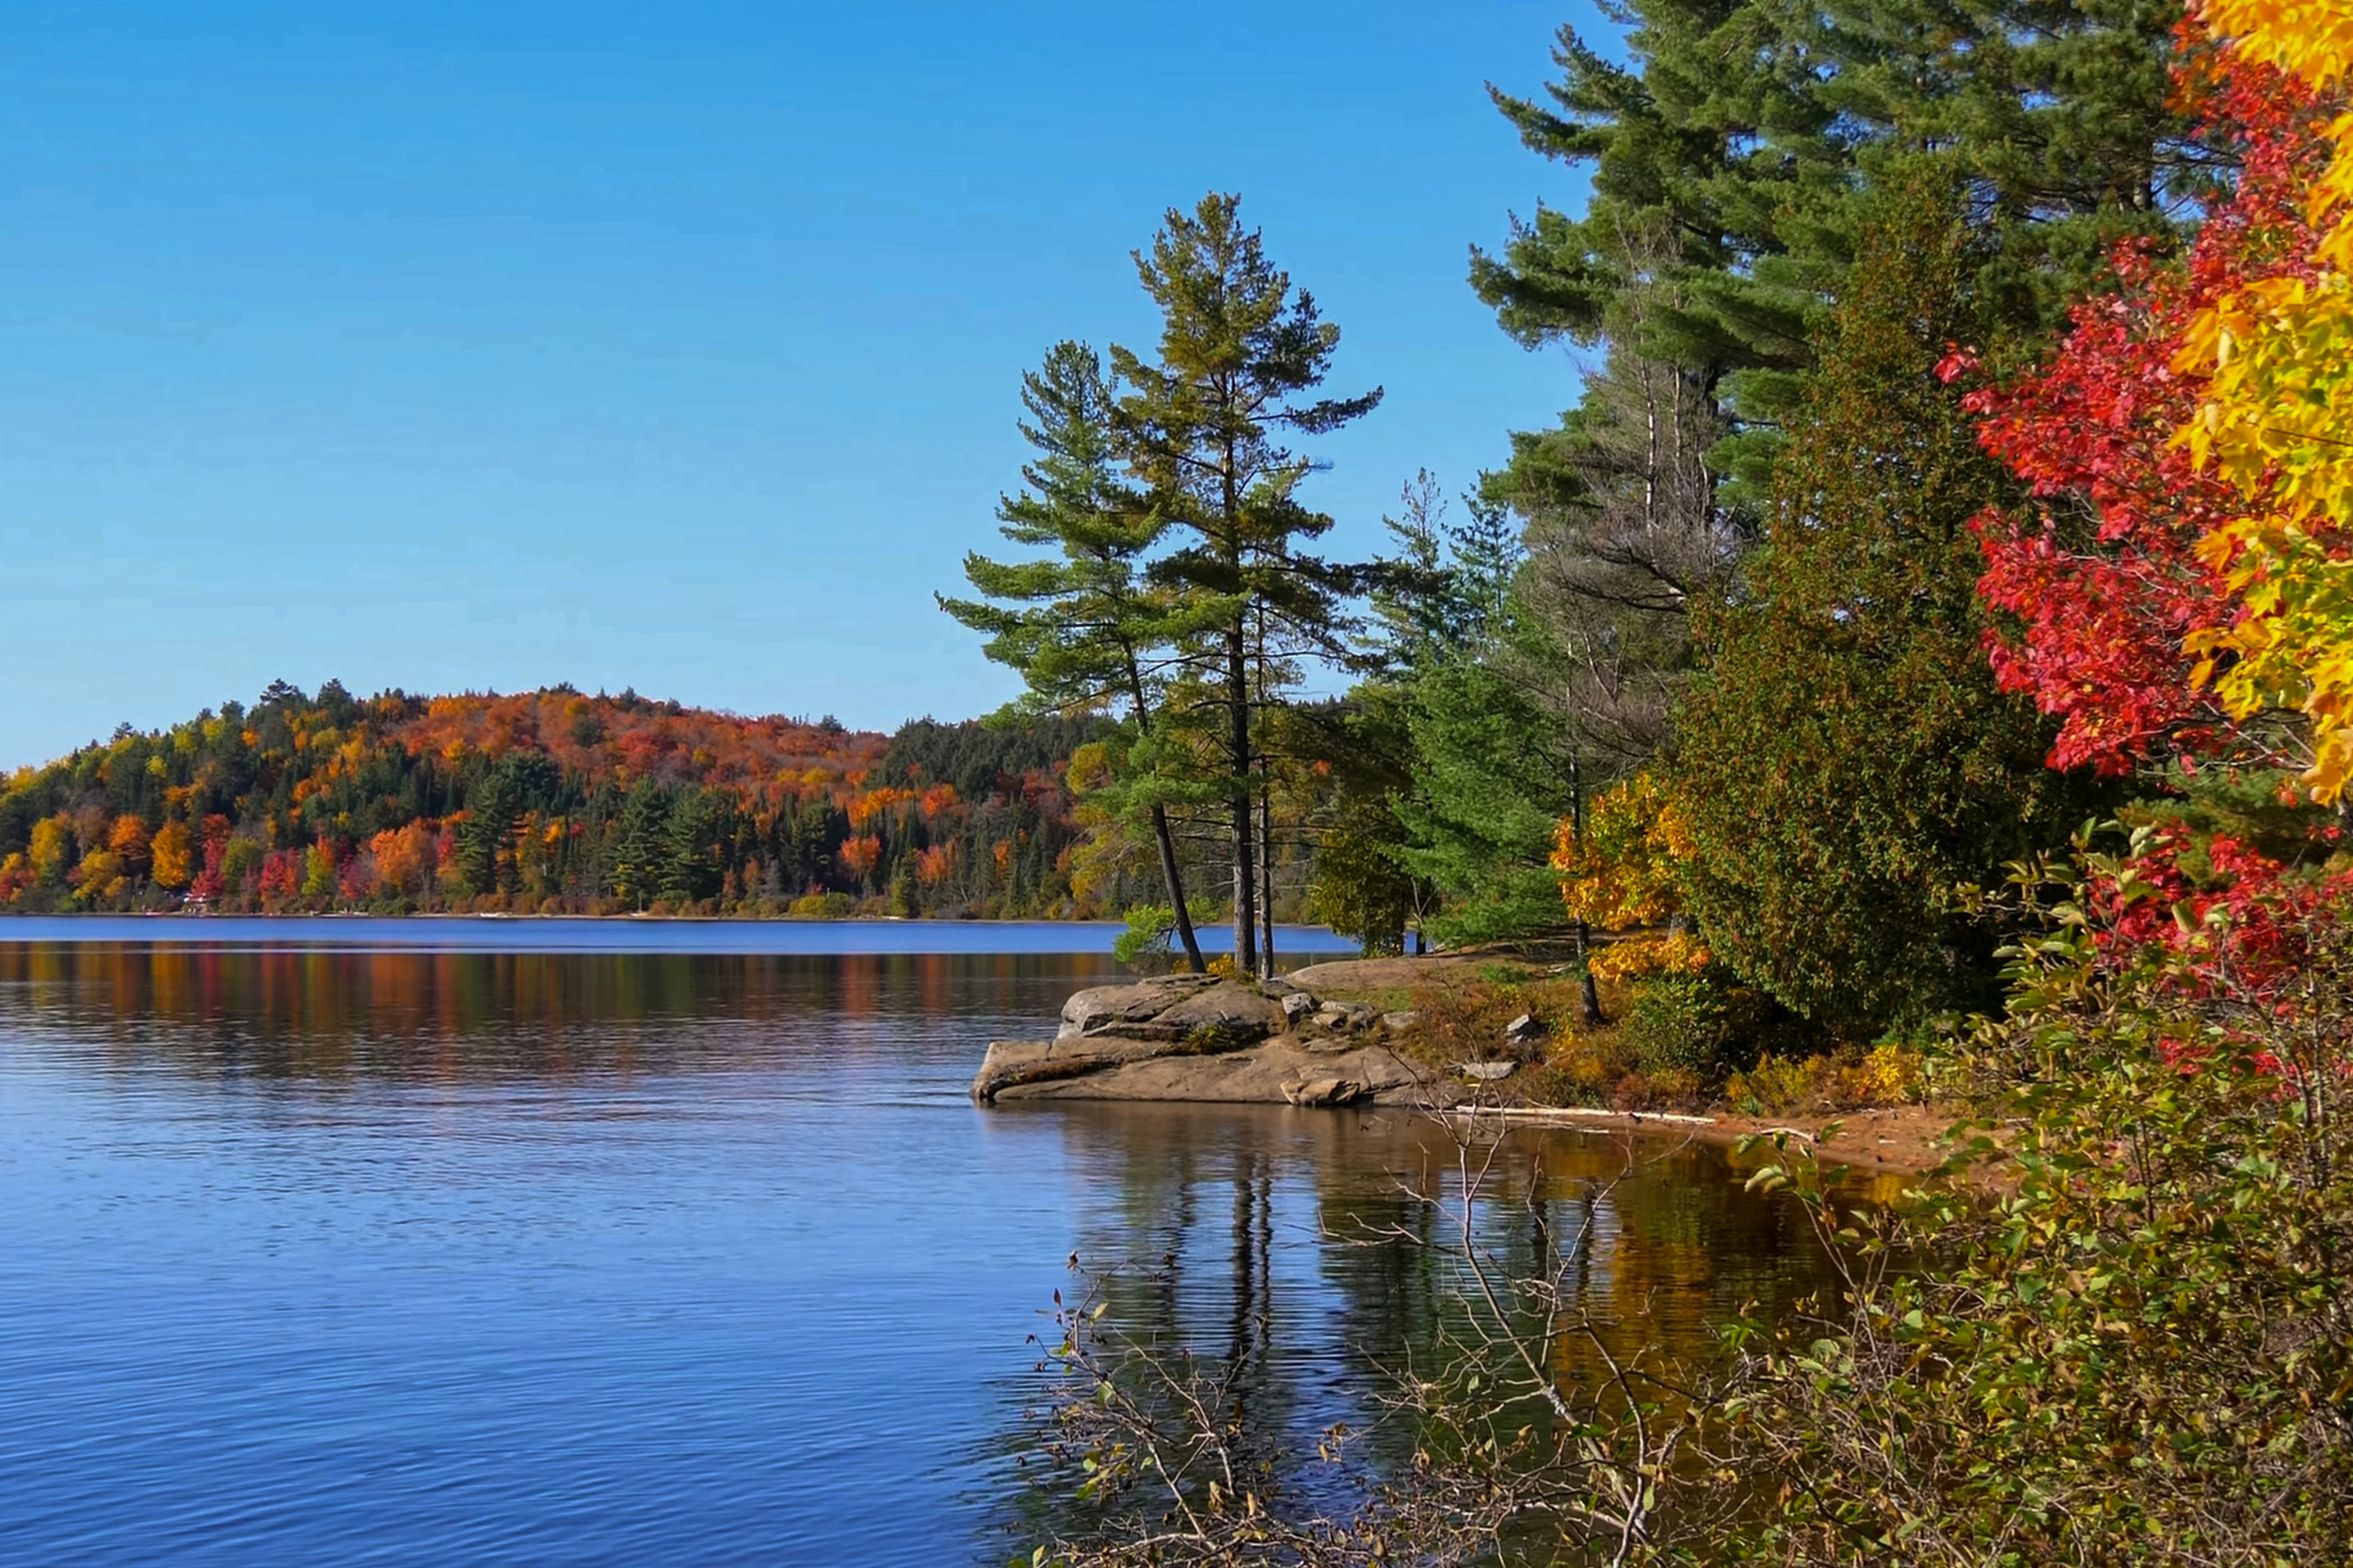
1083	627
1200	427
641	844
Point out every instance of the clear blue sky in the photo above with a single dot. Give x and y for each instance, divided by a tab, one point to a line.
673	346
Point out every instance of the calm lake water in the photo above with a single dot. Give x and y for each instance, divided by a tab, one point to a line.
362	1252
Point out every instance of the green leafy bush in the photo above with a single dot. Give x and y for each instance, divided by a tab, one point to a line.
1701	1024
821	906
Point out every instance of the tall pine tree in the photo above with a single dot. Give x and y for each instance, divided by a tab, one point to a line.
1202	428
1082	624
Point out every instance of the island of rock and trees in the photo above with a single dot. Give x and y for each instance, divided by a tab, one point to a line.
1920	659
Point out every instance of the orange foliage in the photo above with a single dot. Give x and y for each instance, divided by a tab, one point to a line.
861	854
600	737
128	842
937	864
864	810
404	857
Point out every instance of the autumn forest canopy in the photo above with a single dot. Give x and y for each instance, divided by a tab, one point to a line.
550	802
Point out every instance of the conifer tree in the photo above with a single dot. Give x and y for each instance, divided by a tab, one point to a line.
1201	427
1083	627
1845	757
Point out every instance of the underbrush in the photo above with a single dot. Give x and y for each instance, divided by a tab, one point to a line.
1888	1074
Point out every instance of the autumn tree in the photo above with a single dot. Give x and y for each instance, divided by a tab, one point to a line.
2107	575
1202	427
2277	352
173	852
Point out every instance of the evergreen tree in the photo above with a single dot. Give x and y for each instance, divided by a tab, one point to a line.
486	834
640	850
1844	758
1729	153
687	849
1082	626
1494	776
1200	427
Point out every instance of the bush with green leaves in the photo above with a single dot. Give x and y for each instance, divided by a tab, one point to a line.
1706	1024
2142	1352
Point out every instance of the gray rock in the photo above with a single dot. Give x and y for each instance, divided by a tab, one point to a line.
1326	1091
1297	1005
1346	1017
1522	1029
1168	1007
1400	1023
1221	1017
1486	1072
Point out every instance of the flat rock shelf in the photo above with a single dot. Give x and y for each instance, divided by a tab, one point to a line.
1194	1037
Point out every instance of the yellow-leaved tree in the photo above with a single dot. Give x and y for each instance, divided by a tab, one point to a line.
1624	875
2277	421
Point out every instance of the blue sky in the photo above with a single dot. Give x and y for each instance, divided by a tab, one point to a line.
488	345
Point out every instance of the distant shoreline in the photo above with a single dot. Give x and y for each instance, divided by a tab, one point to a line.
640	917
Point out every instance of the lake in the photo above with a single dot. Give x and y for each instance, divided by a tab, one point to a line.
644	1242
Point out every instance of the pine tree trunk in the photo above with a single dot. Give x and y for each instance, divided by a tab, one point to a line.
1174	879
1238	752
1266	879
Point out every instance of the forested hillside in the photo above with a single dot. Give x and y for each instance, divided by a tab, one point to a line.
548	801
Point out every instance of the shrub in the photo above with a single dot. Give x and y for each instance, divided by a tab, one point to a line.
1890	1073
1701	1024
821	906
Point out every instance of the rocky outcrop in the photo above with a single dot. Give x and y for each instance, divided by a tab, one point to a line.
1187	1037
1192	1010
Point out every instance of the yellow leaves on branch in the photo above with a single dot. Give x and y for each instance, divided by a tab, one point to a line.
2276	422
2310	39
1623	873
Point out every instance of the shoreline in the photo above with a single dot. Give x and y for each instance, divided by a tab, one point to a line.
1338	1034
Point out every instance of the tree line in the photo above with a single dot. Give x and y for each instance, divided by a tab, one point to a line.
550	802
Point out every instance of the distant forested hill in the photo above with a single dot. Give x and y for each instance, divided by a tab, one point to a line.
546	802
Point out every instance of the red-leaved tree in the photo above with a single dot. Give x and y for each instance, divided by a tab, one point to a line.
2101	575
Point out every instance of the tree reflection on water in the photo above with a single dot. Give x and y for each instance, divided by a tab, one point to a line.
1306	1266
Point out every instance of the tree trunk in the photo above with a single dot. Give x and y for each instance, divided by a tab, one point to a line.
1266	879
1171	874
1174	878
1587	994
1238	752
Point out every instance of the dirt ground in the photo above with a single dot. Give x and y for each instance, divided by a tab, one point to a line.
1909	1138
